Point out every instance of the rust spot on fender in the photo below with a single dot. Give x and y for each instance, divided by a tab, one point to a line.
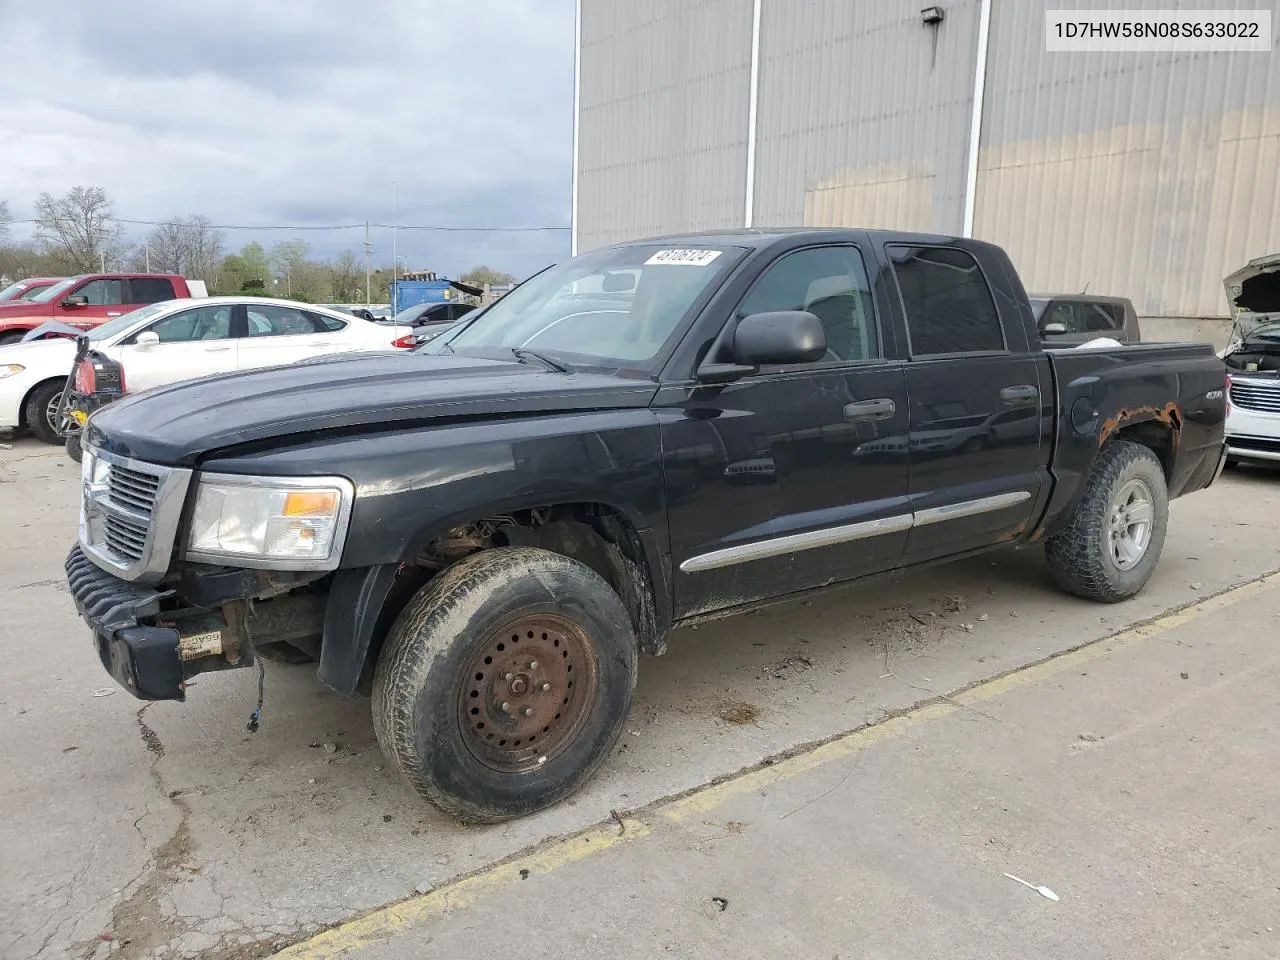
1170	415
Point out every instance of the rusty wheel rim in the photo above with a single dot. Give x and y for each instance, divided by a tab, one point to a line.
526	693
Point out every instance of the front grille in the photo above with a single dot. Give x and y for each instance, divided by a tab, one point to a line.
125	538
133	489
1252	395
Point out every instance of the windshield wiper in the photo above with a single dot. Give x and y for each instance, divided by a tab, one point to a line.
521	353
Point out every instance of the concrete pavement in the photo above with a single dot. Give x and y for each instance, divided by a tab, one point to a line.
172	831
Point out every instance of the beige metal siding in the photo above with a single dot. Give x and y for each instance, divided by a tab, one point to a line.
1149	176
863	114
662	129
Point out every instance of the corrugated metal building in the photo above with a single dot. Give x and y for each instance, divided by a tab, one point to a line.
1147	175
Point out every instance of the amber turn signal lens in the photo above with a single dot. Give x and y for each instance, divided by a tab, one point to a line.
311	503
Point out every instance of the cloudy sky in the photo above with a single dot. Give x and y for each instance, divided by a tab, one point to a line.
301	112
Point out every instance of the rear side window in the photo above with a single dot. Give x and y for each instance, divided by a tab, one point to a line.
151	289
948	304
325	324
1100	316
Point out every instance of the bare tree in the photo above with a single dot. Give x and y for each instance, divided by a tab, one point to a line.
346	278
188	246
79	226
289	260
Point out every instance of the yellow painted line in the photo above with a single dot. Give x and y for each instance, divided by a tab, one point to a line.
387	921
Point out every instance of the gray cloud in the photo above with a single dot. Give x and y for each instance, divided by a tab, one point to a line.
302	112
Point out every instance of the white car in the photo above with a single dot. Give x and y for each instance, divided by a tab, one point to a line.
1252	357
180	340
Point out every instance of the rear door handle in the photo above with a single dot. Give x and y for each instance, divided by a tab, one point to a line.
1020	396
113	313
880	409
215	349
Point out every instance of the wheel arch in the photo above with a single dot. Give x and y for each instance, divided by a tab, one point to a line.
364	602
26	397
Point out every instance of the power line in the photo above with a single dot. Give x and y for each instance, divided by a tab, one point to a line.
330	226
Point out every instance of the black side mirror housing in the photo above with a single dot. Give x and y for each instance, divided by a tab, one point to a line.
783	336
762	339
71	303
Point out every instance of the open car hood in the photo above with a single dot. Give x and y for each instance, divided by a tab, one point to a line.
1253	298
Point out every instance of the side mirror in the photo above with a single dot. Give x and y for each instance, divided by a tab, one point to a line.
785	336
147	338
74	303
1053	329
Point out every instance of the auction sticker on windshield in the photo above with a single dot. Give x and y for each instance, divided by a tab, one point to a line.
683	258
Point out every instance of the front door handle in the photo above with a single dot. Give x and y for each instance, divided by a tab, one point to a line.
880	409
1020	396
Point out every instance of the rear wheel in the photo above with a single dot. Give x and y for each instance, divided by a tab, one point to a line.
504	683
8	338
1113	543
74	450
44	411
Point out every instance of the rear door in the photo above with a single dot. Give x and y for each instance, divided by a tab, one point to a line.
793	477
193	343
975	390
277	335
145	290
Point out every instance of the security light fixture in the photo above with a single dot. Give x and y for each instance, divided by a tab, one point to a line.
932	16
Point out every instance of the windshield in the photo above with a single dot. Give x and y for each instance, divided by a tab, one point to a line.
614	307
125	321
11	292
57	290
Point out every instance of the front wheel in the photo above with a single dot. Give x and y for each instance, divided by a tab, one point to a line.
44	411
1112	545
505	683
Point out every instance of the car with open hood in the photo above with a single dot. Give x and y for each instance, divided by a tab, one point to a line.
1252	357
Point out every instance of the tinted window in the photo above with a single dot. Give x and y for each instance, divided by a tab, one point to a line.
102	293
1095	317
268	320
1061	312
202	323
947	301
151	289
829	282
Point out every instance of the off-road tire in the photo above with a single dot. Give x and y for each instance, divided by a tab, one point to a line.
1079	557
418	680
37	403
74	449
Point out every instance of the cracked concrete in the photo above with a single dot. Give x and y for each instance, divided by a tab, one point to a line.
174	829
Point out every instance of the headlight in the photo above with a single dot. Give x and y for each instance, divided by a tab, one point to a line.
9	369
280	522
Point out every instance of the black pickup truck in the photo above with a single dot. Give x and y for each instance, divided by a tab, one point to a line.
487	533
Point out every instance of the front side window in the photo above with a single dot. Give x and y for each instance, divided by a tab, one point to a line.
616	307
948	304
102	292
829	282
202	323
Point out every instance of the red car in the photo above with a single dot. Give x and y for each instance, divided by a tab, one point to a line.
92	299
28	288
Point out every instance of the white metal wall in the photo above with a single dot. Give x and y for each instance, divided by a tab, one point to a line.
1145	175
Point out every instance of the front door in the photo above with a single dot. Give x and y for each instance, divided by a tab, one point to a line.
193	343
976	392
793	477
105	299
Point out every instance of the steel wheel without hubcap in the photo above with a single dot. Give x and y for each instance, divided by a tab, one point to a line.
529	689
1129	524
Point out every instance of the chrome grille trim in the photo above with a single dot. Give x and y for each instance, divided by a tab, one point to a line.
1260	395
129	522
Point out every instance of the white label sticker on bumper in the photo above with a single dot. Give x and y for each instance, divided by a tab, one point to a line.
683	258
200	645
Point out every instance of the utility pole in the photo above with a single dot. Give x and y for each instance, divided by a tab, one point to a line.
368	265
395	277
102	259
147	246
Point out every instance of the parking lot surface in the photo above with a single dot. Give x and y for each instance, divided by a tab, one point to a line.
169	830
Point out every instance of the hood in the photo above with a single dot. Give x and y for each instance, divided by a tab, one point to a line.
178	425
52	328
12	309
1253	297
29	351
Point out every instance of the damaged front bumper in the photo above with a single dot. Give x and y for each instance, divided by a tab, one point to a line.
152	639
